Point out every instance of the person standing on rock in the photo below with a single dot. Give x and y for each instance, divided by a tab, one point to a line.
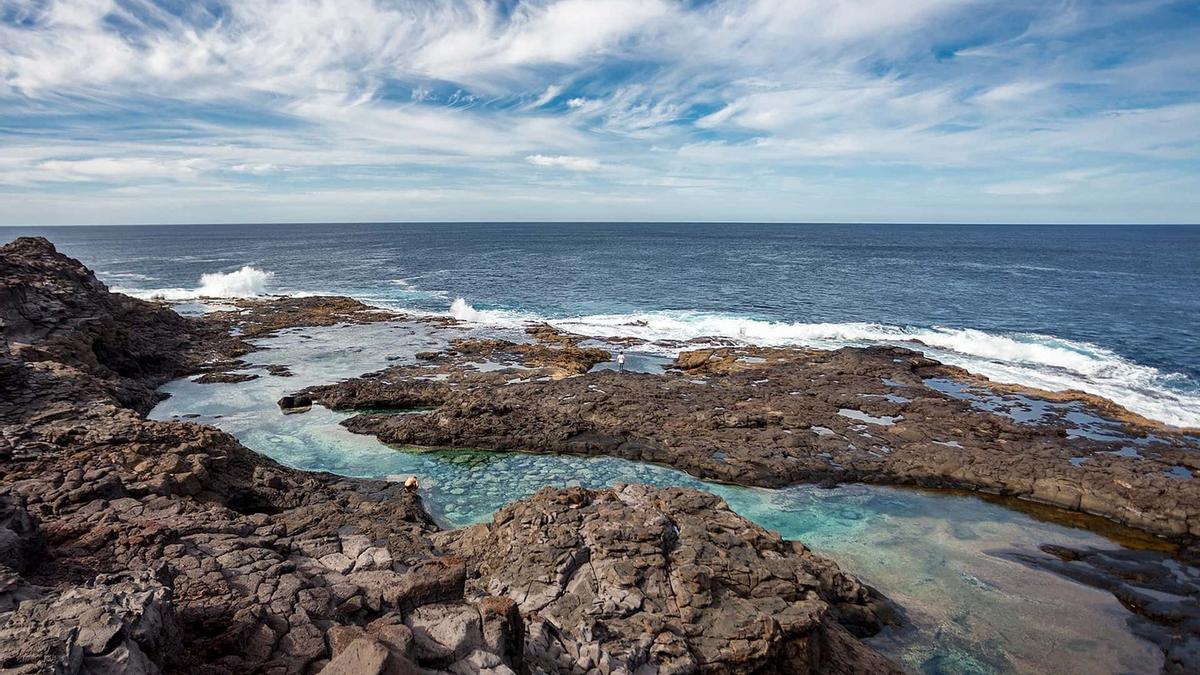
621	361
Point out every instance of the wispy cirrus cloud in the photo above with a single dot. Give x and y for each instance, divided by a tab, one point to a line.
743	109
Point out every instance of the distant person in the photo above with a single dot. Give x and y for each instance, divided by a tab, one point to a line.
621	361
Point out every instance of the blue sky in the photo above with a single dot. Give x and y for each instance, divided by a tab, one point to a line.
134	111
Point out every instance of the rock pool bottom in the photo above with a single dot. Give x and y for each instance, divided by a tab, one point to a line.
969	608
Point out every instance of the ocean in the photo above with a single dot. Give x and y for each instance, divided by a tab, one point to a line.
1112	310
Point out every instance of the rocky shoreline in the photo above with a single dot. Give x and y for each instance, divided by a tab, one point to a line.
773	417
144	546
199	555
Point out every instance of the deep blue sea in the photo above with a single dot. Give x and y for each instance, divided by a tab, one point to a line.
1114	310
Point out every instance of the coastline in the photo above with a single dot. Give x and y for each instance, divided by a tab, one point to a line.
549	354
177	548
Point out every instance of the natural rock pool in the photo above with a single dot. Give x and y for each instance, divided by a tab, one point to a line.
969	607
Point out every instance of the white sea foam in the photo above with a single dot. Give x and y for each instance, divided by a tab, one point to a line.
248	282
1028	359
407	290
465	311
131	276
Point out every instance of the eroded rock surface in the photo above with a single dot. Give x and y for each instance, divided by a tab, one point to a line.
560	357
257	317
116	623
638	579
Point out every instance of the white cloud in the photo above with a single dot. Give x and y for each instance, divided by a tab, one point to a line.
547	96
257	169
564	161
741	96
1047	185
1012	92
118	169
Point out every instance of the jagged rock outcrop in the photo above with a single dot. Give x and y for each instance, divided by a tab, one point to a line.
108	520
640	579
65	330
119	623
144	546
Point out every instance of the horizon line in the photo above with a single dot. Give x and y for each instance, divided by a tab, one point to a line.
616	222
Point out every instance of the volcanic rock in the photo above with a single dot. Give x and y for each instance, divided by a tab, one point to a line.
650	580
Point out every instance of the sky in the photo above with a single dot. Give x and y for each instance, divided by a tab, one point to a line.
198	111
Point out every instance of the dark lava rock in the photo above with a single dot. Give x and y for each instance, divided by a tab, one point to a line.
21	541
642	579
295	403
225	378
62	327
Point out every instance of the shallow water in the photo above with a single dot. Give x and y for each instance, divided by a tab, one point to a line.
968	608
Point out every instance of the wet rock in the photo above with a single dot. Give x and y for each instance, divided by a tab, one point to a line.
1158	588
295	403
225	378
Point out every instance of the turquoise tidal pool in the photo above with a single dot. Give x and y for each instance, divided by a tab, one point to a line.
969	608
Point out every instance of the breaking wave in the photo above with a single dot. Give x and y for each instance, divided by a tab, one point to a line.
248	282
1028	359
465	311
